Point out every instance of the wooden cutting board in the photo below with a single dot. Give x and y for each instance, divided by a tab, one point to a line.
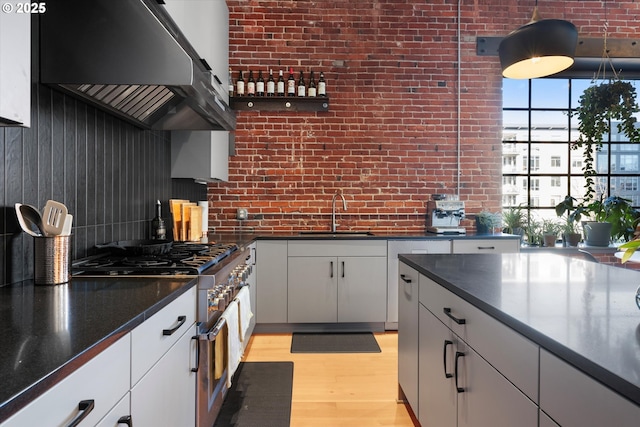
186	220
195	225
175	206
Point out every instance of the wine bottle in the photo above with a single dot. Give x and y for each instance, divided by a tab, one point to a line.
302	88
280	84
240	84
251	85
158	229
260	84
291	84
311	92
322	85
271	85
230	84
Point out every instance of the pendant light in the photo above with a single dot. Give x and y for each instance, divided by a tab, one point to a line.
539	48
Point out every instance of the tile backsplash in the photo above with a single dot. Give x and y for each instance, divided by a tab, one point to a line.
108	172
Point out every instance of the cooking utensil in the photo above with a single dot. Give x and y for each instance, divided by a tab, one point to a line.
29	219
66	227
138	247
53	217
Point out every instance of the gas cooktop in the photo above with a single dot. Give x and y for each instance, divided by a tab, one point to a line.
190	259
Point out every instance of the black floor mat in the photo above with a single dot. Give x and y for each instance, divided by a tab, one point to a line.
334	343
260	396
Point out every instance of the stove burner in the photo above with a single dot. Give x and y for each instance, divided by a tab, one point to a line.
144	261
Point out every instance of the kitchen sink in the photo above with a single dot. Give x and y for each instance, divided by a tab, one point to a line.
336	233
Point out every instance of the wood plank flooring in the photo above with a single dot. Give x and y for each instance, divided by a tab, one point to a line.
335	390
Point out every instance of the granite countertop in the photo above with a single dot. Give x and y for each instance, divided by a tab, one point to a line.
247	237
581	311
47	332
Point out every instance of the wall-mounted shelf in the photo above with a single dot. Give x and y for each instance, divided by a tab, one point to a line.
279	103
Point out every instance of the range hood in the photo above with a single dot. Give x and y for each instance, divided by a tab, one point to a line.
128	57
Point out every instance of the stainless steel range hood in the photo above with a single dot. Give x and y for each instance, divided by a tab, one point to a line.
128	57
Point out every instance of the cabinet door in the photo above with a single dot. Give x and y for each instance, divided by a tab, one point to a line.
362	289
271	281
408	323
312	290
575	399
121	410
489	399
166	395
436	384
15	72
545	421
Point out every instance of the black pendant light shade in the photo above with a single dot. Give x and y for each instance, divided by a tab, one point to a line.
539	48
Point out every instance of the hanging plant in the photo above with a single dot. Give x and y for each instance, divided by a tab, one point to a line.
598	106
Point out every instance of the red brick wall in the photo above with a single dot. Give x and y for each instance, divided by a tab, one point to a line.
391	137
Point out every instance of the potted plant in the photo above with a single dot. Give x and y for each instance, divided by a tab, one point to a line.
487	222
514	220
570	231
549	230
597	107
533	232
611	218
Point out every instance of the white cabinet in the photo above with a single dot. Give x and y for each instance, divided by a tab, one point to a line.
165	396
332	282
102	382
571	398
462	379
408	334
15	68
205	24
201	155
485	246
396	247
271	281
204	155
163	388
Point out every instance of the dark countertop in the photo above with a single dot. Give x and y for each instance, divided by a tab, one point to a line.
583	312
245	238
47	332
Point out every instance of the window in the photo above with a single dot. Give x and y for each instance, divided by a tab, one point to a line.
538	129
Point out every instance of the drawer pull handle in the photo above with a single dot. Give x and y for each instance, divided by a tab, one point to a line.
85	407
197	353
181	320
486	248
447	311
404	278
459	354
447	343
331	269
343	269
126	420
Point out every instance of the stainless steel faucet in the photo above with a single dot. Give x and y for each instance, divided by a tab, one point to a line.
334	224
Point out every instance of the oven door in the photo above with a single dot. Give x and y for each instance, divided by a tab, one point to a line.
212	373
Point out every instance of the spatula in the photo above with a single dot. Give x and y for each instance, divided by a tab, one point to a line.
53	217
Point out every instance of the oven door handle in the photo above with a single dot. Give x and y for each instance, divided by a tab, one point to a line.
212	333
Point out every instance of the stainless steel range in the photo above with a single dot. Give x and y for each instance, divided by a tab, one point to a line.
221	270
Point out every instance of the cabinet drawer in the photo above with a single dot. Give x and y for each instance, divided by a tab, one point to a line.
148	343
341	248
572	398
488	246
509	352
104	379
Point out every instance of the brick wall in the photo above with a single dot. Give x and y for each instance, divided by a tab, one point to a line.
391	137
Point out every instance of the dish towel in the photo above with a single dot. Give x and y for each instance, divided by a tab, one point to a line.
244	301
234	347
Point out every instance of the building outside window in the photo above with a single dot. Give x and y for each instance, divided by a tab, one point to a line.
539	166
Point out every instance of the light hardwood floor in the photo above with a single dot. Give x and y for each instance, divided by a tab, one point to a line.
335	390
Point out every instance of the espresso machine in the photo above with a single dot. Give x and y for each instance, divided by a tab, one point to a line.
444	216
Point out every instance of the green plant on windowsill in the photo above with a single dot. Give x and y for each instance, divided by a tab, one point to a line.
514	220
549	229
533	232
570	230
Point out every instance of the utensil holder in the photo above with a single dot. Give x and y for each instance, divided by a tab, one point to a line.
52	260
